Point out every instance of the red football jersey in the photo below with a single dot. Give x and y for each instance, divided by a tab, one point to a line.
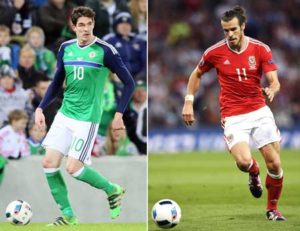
239	74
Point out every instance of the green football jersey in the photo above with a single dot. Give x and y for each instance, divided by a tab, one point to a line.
85	77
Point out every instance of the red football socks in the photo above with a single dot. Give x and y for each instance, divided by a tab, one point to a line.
274	187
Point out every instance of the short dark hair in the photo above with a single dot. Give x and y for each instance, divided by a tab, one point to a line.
238	12
17	115
82	11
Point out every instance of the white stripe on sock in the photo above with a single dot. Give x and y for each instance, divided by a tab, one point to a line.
251	163
77	173
50	170
279	176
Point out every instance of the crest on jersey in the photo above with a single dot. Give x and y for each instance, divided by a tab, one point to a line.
252	62
92	54
136	46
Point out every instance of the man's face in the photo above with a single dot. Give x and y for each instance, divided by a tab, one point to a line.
41	88
84	30
26	59
233	32
124	28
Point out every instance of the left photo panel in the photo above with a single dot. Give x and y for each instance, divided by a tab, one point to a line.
73	114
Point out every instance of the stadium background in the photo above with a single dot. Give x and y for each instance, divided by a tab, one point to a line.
180	31
200	175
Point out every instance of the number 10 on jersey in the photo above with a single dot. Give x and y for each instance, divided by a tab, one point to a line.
78	72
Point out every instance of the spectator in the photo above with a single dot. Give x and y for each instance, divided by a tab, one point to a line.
26	71
105	10
131	48
12	95
45	60
135	117
118	145
9	52
39	90
52	18
36	136
13	144
19	16
138	10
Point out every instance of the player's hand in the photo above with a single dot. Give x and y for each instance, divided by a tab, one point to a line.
39	118
117	124
269	93
188	113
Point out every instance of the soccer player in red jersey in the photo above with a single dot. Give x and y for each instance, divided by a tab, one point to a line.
240	62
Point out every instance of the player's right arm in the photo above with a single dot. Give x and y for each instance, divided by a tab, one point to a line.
192	87
52	90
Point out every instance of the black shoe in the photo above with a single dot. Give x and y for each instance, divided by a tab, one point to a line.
255	185
275	215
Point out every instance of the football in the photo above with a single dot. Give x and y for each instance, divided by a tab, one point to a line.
18	212
166	213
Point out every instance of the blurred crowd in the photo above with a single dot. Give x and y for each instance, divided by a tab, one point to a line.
31	32
178	37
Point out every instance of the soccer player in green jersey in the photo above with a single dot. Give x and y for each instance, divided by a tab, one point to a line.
83	64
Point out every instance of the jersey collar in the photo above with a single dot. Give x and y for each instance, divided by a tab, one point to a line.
83	47
241	51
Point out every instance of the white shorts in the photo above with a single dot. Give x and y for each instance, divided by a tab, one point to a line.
259	125
72	137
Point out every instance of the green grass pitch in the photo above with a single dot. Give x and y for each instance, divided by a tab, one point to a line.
213	194
80	227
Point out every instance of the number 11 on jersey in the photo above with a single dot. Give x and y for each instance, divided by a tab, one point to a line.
238	71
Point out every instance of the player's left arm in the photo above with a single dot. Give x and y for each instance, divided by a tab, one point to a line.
274	85
114	62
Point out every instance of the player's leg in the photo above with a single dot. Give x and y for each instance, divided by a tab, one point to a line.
274	179
58	188
79	158
267	137
246	163
237	130
57	143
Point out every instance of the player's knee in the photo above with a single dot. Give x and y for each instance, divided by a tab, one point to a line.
274	165
71	169
243	164
49	163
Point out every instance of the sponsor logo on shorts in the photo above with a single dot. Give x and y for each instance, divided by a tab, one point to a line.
229	138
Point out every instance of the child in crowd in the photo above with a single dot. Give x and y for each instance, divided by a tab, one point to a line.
36	136
12	95
9	53
13	144
45	59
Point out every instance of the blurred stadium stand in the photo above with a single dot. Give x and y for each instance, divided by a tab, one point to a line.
179	36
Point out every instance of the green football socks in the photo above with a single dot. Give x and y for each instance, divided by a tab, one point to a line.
93	178
59	191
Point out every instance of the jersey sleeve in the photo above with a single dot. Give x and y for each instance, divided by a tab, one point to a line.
268	63
205	64
113	61
57	82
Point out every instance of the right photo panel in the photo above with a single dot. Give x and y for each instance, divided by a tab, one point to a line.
224	115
